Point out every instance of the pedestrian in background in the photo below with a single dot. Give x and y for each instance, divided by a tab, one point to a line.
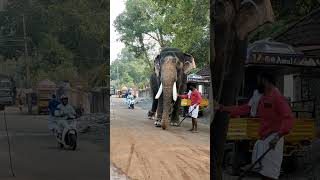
53	104
20	102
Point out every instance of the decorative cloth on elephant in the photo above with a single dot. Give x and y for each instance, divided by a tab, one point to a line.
170	51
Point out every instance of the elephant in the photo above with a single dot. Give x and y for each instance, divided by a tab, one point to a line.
171	69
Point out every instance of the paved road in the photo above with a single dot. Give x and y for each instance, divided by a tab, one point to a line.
142	151
36	155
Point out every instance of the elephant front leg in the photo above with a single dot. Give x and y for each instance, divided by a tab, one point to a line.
157	123
175	119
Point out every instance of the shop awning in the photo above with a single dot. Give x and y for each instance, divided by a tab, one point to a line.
194	78
270	53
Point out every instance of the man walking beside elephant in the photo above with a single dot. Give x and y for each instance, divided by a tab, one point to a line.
276	121
194	108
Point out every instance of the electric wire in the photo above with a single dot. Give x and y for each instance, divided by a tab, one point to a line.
9	145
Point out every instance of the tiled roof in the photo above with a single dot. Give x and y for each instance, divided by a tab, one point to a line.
305	32
205	71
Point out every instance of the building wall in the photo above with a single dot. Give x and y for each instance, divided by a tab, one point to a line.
315	92
145	93
297	88
308	89
288	87
99	101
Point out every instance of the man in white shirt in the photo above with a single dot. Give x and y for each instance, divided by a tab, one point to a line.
64	111
254	103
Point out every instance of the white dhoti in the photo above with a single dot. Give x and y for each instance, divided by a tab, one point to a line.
194	111
270	165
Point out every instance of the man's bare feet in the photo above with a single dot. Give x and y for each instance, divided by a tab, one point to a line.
194	131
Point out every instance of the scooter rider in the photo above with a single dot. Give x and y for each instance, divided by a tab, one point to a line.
64	111
130	99
52	123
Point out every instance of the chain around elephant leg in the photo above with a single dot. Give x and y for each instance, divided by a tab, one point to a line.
174	121
157	123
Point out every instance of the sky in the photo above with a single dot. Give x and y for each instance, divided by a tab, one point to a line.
116	8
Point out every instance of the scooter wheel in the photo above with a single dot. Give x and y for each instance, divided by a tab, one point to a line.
73	140
61	145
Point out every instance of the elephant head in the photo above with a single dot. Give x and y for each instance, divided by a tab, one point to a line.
253	13
171	66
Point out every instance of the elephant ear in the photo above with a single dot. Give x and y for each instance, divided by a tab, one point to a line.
189	63
157	65
253	13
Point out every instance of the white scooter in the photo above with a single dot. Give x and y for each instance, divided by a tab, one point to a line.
130	102
68	138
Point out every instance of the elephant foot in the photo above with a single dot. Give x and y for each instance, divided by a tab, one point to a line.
151	115
173	124
164	125
157	123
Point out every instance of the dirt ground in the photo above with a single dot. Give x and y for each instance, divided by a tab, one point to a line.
141	151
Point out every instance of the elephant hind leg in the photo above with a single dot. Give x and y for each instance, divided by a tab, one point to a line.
151	115
175	113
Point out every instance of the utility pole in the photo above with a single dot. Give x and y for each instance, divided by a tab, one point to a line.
26	52
118	77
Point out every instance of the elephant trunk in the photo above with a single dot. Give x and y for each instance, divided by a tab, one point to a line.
167	100
169	89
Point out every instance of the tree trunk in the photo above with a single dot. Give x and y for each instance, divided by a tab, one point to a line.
230	26
226	75
144	50
162	43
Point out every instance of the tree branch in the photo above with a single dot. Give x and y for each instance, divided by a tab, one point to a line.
154	38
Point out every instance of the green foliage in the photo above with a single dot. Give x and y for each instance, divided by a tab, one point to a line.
66	38
188	23
147	25
286	13
100	76
132	71
53	52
